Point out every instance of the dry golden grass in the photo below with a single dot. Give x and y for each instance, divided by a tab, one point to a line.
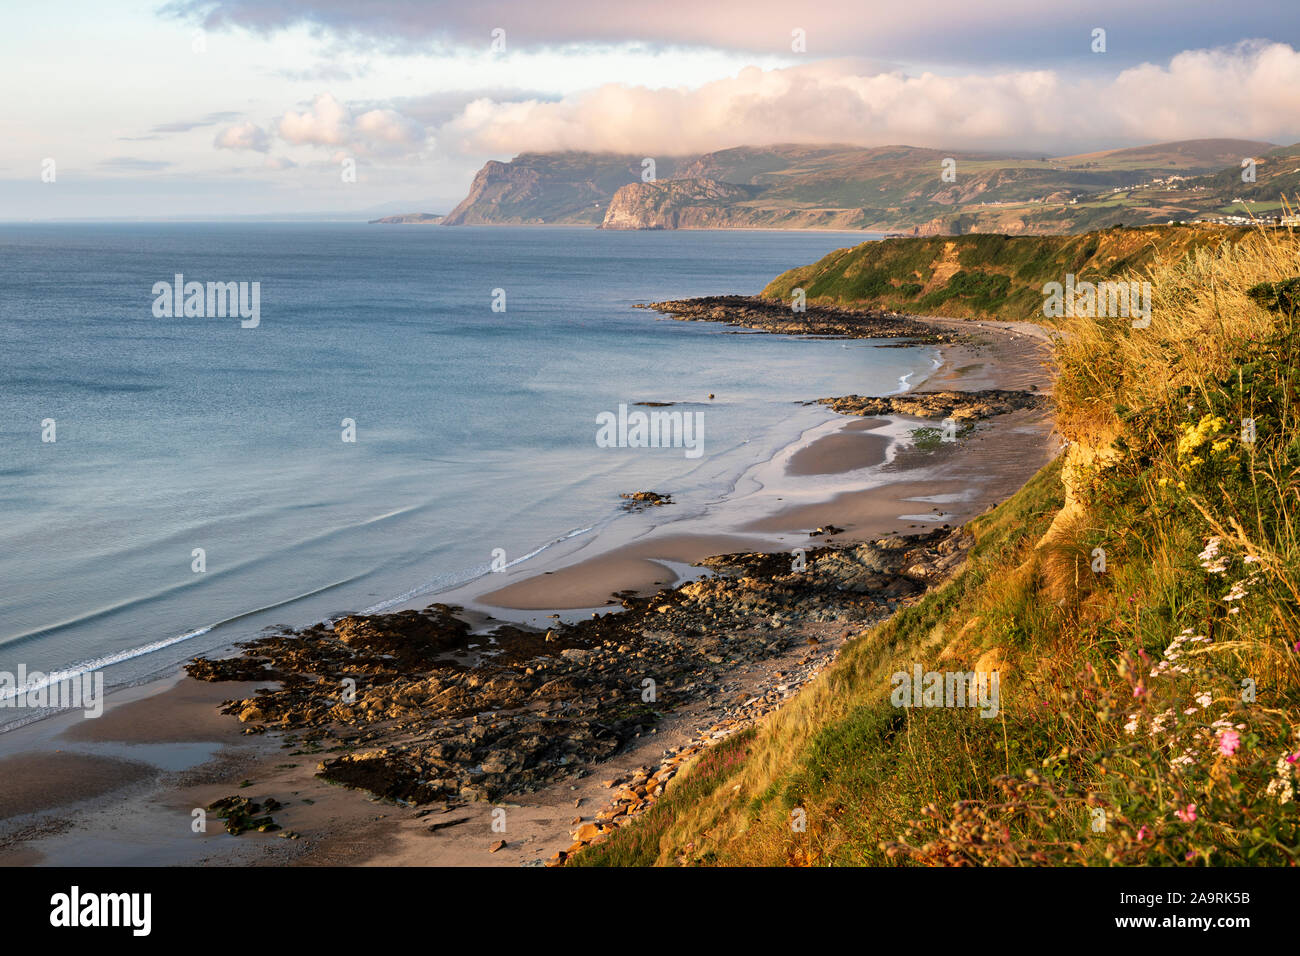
1199	308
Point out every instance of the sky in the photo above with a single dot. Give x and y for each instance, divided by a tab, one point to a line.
205	108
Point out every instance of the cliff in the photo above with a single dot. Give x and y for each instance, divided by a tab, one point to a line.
883	189
676	204
556	188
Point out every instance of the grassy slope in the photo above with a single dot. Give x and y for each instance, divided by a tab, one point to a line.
1089	718
981	276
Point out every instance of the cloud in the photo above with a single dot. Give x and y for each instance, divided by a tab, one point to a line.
279	162
184	126
434	109
327	123
246	135
1248	91
331	123
133	163
325	73
955	30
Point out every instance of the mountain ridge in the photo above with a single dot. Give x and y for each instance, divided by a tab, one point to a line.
896	188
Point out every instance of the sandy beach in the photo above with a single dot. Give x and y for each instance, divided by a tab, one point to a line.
125	788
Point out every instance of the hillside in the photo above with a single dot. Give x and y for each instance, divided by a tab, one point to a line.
555	188
883	189
1149	706
981	276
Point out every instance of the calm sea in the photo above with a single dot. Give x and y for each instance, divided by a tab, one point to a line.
474	429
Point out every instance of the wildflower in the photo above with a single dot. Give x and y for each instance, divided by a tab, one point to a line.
1175	651
1187	815
1194	436
1282	786
1131	727
1204	699
1143	833
1210	559
1229	741
1158	722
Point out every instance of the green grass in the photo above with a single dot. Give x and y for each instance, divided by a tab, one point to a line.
639	845
995	276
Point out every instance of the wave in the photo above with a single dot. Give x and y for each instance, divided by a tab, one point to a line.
455	579
120	657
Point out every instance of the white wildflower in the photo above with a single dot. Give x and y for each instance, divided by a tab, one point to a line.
1210	559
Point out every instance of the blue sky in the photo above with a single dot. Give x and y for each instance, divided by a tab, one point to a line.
249	107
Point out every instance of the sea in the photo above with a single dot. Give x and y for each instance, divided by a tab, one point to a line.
412	404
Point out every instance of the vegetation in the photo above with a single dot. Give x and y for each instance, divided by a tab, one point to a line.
982	276
1138	598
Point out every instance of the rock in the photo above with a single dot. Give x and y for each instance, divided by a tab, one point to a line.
638	500
756	313
961	406
674	204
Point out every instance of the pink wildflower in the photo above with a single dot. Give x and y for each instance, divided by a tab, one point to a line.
1229	741
1188	815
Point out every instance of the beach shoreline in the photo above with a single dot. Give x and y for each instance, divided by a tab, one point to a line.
163	751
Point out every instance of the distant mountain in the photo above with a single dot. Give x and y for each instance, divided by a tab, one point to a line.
884	189
419	218
537	188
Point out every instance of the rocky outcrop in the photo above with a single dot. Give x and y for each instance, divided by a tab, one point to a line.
537	188
640	500
752	312
413	707
960	406
676	204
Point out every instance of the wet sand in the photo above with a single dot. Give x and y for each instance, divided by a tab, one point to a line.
852	448
592	582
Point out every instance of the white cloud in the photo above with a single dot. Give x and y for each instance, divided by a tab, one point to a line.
1248	91
389	126
331	123
327	123
246	135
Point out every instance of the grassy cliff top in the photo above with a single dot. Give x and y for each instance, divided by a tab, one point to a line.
1139	598
984	276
